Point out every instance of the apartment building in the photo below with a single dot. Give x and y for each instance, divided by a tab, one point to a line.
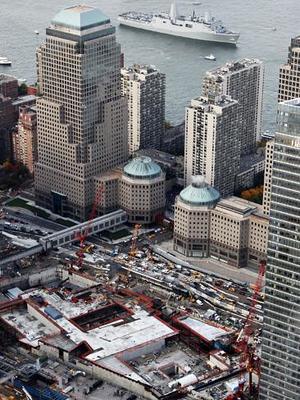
25	138
242	80
289	76
212	148
144	86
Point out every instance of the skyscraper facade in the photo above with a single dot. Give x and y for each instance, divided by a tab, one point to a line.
280	376
243	81
211	145
289	76
82	115
144	86
268	176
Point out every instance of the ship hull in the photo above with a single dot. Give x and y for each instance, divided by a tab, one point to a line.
228	38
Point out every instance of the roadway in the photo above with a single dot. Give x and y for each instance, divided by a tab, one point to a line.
34	220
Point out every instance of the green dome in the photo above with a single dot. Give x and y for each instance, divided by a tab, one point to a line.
80	17
142	168
199	193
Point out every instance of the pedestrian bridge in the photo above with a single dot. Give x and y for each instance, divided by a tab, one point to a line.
71	234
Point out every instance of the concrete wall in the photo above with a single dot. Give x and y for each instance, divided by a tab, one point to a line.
50	351
30	279
150	348
79	280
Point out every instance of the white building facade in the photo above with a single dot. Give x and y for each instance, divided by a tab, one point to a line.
211	145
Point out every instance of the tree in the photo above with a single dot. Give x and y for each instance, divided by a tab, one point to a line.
22	89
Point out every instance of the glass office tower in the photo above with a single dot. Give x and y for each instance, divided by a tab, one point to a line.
280	375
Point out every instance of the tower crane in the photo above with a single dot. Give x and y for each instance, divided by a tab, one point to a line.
249	360
81	236
135	235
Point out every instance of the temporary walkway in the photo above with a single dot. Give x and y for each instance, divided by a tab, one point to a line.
69	235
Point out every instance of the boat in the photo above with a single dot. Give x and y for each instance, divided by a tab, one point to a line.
206	28
211	57
4	61
36	32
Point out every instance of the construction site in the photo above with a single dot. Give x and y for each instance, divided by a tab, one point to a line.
124	318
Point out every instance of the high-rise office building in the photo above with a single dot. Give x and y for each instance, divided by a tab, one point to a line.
82	115
243	81
280	376
289	76
145	88
25	138
211	145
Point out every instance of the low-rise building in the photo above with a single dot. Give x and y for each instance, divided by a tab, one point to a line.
232	230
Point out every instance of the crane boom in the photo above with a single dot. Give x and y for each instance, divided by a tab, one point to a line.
83	235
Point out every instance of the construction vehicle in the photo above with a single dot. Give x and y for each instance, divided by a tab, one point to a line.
115	251
135	235
81	236
249	360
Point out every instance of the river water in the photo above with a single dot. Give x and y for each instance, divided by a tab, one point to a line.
182	60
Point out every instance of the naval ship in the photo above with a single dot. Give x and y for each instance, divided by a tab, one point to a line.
205	28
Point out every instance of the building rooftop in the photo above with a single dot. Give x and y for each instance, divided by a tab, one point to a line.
232	67
205	330
221	101
7	78
142	168
199	193
29	98
80	17
158	156
136	70
236	206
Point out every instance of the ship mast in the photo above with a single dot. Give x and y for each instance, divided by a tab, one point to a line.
173	13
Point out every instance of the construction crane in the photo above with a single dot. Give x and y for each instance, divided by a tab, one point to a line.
27	394
248	357
81	236
135	235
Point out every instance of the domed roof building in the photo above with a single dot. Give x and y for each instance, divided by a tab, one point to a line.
142	168
192	218
199	193
142	190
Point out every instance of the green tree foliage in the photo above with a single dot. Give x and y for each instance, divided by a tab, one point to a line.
22	90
